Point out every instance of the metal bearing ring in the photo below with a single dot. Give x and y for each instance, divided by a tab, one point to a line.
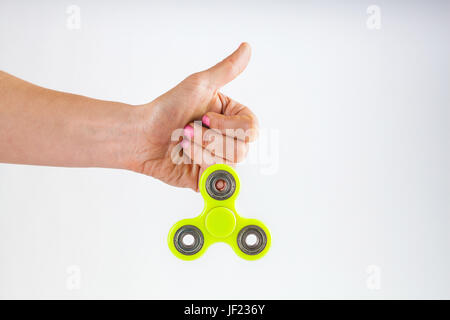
188	249
214	178
258	246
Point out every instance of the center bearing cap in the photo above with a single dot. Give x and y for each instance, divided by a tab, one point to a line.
220	222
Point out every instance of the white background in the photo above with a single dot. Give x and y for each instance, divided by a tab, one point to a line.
356	174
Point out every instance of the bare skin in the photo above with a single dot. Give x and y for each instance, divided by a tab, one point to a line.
45	127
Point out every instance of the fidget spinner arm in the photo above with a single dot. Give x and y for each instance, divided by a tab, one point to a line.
219	221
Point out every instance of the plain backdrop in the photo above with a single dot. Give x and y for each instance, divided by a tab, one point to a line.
351	173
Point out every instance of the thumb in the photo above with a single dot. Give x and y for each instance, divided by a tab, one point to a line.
230	67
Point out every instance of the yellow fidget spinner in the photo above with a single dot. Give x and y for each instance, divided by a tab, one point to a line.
219	222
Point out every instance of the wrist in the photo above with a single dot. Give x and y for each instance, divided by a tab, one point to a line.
126	138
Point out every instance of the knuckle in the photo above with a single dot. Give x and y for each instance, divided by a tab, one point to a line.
241	152
252	131
218	124
253	122
198	79
232	67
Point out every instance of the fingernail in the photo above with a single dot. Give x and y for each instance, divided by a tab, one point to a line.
205	120
189	131
184	144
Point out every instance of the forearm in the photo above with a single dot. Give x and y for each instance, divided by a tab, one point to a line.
45	127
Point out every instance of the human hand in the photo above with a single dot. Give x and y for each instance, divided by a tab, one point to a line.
232	126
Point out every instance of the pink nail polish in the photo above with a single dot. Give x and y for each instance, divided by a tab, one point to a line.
189	131
205	120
